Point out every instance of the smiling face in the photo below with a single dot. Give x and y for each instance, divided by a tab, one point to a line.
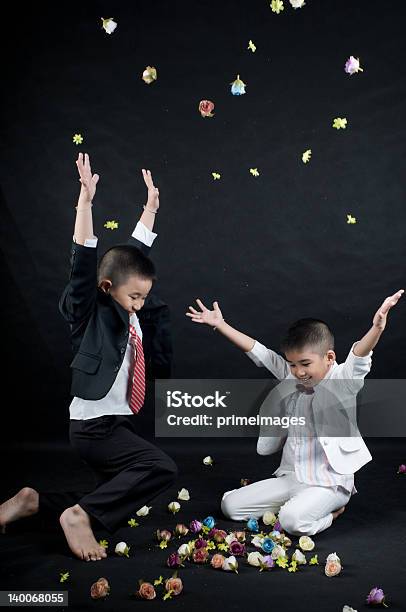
308	366
130	295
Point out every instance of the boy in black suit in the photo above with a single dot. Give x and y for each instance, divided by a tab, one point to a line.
100	303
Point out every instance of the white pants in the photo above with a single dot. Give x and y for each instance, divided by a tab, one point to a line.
303	509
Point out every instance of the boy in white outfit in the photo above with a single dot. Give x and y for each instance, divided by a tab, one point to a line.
315	479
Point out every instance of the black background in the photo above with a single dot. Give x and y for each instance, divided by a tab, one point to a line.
270	249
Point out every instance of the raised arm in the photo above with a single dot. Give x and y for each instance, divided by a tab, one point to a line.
142	237
84	219
371	338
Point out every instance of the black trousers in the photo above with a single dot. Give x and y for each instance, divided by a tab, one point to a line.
130	471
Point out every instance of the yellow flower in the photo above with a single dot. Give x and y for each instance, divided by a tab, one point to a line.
251	46
111	225
351	220
210	545
163	544
149	75
314	560
216	176
104	543
340	123
64	577
158	581
254	171
222	546
77	139
277	6
133	523
293	566
306	156
282	562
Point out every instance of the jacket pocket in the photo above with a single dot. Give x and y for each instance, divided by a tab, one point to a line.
87	362
350	445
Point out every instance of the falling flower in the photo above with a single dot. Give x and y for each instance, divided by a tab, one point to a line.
340	123
216	176
174	584
217	561
108	25
174	507
183	495
351	220
143	511
238	87
254	171
208	460
352	65
402	469
209	522
174	560
244	482
77	139
269	518
306	156
104	543
277	6
100	589
149	75
252	525
163	534
63	576
314	560
163	544
306	543
181	529
230	565
376	597
206	107
251	46
111	225
297	3
146	591
299	557
133	523
122	549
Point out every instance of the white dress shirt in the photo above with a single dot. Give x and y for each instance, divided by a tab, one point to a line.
116	400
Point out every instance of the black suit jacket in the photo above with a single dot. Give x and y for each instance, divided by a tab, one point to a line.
99	328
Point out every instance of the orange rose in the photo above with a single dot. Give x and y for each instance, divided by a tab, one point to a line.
146	591
174	584
217	561
100	589
332	568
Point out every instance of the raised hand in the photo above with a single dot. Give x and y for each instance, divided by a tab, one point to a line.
88	180
381	314
210	317
153	192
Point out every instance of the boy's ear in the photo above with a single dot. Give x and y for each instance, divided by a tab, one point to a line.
105	285
331	356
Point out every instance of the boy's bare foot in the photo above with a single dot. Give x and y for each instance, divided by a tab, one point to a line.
24	503
75	523
338	512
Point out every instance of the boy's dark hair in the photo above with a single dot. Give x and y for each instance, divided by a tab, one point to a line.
122	261
309	332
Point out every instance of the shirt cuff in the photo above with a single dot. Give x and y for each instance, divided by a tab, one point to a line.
258	353
143	234
364	359
89	242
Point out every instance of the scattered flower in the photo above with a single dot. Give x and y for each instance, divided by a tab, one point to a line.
133	523
143	511
278	552
211	545
195	526
240	535
122	549
217	561
348	609
376	597
252	525
257	541
244	482
174	584
209	522
267	563
200	555
230	565
402	469
306	156
223	546
254	171
286	541
269	518
174	507
293	566
163	544
340	123
218	535
277	526
200	543
208	460
352	65
282	562
183	495
255	559
297	3
205	108
77	139
108	25
216	176
306	543
333	565
181	530
238	87
174	560
111	225
163	534
149	75
230	538
314	560
63	576
159	581
184	551
100	589
351	220
277	6
146	591
299	557
237	548
104	543
251	46
267	545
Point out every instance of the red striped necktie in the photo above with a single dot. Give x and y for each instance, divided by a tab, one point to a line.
137	393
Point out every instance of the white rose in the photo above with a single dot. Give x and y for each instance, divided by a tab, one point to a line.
257	540
230	538
174	507
348	609
122	549
299	557
333	557
297	3
183	495
278	551
230	564
143	511
269	518
109	25
255	559
306	543
208	460
184	550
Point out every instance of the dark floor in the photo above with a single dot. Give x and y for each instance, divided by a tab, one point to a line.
370	537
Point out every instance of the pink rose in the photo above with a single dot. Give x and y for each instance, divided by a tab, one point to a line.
219	536
217	561
237	548
100	589
200	555
240	535
174	584
146	591
205	108
332	568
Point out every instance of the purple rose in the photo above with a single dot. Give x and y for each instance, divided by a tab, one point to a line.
237	548
200	543
200	555
376	597
277	526
267	562
174	560
402	469
195	526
